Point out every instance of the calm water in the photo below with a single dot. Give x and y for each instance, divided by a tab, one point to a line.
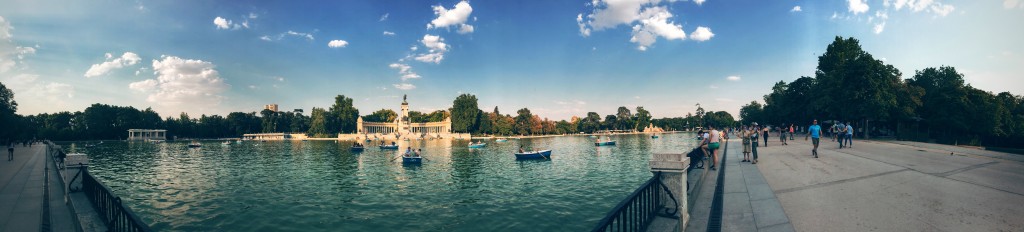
322	186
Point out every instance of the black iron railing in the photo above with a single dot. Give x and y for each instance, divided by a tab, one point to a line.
115	214
637	211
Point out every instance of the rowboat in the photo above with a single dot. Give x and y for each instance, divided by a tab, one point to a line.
354	148
654	136
534	155
412	160
226	143
478	145
606	143
194	144
501	140
391	147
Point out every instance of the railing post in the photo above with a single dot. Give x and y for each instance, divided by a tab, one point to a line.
672	169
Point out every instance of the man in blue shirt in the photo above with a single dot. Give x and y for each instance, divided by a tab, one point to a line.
815	132
849	135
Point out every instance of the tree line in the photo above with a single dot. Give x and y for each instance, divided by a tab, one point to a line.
101	121
935	105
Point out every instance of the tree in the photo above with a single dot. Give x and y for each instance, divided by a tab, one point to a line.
643	118
318	123
523	122
591	123
625	119
345	114
751	113
464	113
382	115
8	107
700	116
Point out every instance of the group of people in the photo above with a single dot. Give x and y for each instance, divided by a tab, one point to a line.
842	133
710	142
409	152
749	134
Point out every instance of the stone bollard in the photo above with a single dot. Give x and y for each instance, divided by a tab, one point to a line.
74	164
673	175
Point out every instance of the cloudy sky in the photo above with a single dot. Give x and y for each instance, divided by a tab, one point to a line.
558	58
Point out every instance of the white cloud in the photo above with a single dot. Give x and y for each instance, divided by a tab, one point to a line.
388	33
308	36
222	23
456	16
10	53
1010	4
835	15
942	9
337	43
266	38
253	15
796	9
127	59
649	20
383	17
858	6
879	27
404	86
436	49
584	31
404	70
36	95
701	34
182	84
699	2
733	78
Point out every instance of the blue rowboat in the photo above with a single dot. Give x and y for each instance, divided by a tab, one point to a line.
482	145
388	147
501	140
412	160
608	143
534	155
654	136
357	148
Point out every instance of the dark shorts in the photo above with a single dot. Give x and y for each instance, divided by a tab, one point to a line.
815	141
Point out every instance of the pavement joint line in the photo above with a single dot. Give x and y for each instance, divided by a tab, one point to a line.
776	224
781	191
964	169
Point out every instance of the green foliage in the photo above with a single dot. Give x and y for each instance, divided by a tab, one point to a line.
591	123
8	118
383	115
523	123
344	116
751	113
465	114
642	118
318	123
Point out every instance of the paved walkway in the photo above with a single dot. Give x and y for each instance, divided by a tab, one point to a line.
749	204
22	184
895	186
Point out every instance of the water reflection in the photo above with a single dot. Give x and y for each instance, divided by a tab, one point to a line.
323	185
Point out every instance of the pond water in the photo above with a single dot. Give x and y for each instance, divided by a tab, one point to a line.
323	186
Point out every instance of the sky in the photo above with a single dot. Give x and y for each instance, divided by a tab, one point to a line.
557	58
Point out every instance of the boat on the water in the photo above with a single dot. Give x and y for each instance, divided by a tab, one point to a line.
544	154
389	147
654	136
501	140
226	143
195	144
605	143
412	160
357	148
477	145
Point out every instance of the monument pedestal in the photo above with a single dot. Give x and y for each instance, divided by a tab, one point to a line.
673	174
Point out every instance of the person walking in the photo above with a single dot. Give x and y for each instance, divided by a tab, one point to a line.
791	131
745	136
782	135
10	151
849	134
753	142
714	140
840	134
815	133
766	129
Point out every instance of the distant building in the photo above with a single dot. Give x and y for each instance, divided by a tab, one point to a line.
147	134
271	107
402	126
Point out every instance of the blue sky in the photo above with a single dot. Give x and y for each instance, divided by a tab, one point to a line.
558	58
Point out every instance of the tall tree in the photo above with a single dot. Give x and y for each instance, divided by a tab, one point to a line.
8	107
464	113
523	123
643	118
318	123
382	115
345	114
624	119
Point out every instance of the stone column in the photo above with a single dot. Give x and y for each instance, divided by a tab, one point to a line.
673	175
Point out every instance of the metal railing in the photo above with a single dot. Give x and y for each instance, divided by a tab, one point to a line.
637	211
115	214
